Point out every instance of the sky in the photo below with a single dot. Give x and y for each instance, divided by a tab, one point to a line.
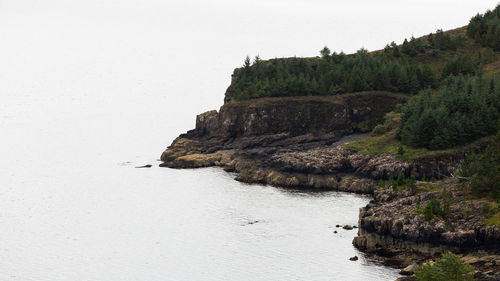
159	63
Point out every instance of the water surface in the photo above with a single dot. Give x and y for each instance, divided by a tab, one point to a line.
163	224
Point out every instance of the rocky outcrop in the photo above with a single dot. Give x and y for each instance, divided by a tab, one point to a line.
291	142
295	116
316	161
392	229
462	227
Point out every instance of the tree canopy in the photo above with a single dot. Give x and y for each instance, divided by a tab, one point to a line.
463	109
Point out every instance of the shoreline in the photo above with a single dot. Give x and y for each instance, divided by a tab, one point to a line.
305	147
274	160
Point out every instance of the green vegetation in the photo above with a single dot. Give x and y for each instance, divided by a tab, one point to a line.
442	41
456	103
438	207
401	182
493	220
459	65
389	144
484	170
330	75
410	67
433	209
416	64
485	29
462	110
455	76
448	268
491	213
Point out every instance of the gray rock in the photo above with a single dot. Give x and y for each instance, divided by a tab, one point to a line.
409	270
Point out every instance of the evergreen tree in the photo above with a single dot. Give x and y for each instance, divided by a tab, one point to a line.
246	64
325	52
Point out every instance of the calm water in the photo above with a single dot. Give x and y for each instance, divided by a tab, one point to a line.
90	89
161	224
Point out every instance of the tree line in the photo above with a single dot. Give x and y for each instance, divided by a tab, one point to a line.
337	73
485	29
330	75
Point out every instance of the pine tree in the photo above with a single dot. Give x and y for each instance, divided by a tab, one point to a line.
246	64
325	52
414	85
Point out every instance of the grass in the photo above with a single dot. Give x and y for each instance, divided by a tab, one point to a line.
494	220
336	99
490	211
388	144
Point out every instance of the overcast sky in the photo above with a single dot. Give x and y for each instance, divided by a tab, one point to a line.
133	58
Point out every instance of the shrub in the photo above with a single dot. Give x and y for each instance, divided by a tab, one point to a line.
381	183
432	209
448	268
401	150
379	129
401	179
484	170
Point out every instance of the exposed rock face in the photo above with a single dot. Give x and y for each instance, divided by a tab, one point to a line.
296	115
291	142
393	230
252	159
399	218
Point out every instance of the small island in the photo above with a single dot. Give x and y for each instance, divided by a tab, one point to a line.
415	125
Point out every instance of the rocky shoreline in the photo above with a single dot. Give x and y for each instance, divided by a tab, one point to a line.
303	147
392	229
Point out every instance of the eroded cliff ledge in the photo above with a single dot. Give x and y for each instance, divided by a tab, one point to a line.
392	229
269	140
297	142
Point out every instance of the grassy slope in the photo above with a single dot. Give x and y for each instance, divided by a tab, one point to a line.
387	143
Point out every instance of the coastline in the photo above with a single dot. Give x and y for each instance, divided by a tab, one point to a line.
257	153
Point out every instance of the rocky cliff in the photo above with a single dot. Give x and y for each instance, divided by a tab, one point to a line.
268	140
295	116
392	228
